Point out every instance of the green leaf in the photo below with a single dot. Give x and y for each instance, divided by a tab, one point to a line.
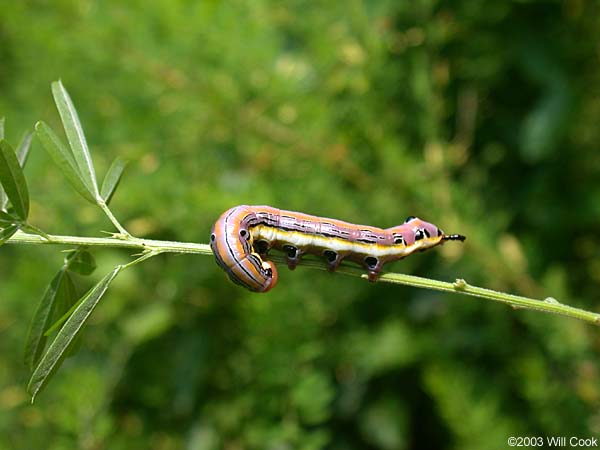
64	309
64	159
7	219
81	262
13	180
3	198
66	303
22	153
62	319
24	147
112	179
75	136
68	298
65	313
56	353
59	294
7	232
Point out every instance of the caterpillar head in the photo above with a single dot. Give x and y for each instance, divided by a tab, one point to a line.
421	235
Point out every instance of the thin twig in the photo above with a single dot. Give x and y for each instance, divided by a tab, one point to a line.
143	245
151	247
124	233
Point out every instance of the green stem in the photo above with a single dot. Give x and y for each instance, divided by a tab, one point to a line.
34	229
151	247
549	305
460	286
143	245
124	233
144	257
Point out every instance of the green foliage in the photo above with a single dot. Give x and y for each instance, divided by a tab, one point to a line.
76	137
53	358
13	187
64	159
480	118
24	148
13	181
112	179
57	304
57	300
7	231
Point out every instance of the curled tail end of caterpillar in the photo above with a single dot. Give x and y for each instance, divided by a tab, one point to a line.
271	270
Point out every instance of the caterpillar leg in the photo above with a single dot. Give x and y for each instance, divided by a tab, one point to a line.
373	276
333	259
261	247
373	266
293	255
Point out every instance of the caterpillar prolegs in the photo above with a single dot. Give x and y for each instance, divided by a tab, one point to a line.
243	235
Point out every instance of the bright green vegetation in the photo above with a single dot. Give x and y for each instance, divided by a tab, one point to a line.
480	119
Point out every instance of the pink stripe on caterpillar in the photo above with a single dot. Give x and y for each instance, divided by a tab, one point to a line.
243	235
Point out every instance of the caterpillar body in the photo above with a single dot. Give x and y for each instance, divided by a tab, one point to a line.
243	235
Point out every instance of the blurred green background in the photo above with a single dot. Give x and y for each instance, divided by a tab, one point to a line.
481	118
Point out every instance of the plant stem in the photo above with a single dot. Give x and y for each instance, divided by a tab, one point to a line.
549	305
35	229
113	219
144	245
460	286
152	247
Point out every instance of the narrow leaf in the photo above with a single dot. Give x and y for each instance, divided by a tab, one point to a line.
62	319
65	306
64	159
53	358
36	340
24	147
6	218
112	179
75	136
13	180
65	312
3	197
6	233
22	153
68	301
67	298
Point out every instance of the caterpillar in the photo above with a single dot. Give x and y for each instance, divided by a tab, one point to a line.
243	235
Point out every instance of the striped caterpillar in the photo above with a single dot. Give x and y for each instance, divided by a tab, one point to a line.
243	235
